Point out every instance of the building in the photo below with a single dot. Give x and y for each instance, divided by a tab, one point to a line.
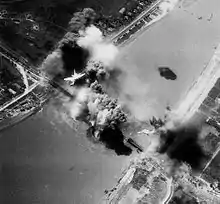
122	10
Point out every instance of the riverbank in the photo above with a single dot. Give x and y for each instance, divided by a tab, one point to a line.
157	12
6	123
200	88
25	107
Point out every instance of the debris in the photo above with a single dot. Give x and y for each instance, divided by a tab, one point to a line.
210	18
147	132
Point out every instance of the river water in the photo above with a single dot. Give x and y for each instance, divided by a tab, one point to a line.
184	41
44	160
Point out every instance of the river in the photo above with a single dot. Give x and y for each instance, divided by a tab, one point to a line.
184	41
44	160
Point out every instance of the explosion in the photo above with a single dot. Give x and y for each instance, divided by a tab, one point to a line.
68	55
168	5
87	59
181	144
84	59
92	40
103	111
92	105
102	114
177	145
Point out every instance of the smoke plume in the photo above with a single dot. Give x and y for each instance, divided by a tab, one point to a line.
168	5
101	109
181	144
103	116
77	107
68	56
53	64
74	54
84	52
113	138
92	40
132	92
74	57
135	97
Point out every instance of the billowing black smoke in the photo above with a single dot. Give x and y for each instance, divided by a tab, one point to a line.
62	62
113	138
182	145
69	56
74	58
85	60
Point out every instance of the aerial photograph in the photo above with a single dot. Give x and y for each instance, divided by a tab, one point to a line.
109	101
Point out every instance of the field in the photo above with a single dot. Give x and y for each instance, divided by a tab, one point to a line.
210	143
61	10
157	192
212	173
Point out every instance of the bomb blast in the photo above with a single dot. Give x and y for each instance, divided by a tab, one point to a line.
181	144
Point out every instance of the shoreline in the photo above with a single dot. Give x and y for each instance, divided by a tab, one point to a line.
6	123
139	17
197	92
143	29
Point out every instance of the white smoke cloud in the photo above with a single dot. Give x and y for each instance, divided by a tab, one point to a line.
168	5
93	106
134	94
92	39
102	116
53	64
86	100
78	105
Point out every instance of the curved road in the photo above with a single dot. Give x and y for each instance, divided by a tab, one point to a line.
169	192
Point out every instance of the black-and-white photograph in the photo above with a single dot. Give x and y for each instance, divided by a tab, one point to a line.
109	101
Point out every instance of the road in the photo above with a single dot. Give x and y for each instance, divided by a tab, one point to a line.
31	88
121	189
24	63
170	191
156	3
209	162
30	71
25	92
